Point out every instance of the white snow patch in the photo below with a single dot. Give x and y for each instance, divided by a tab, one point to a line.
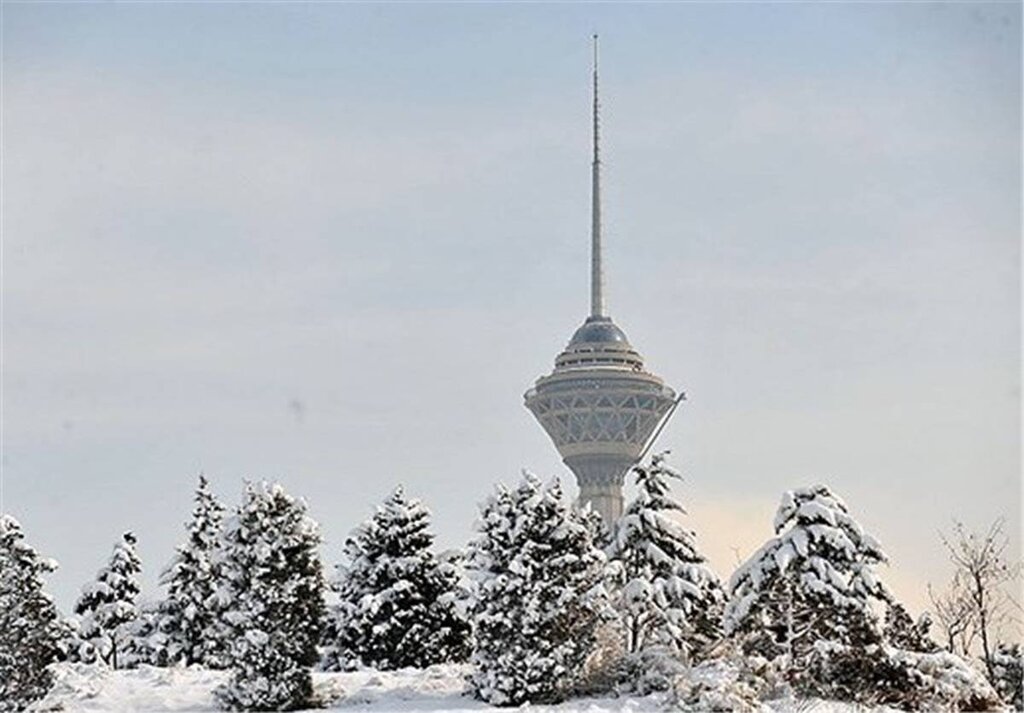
96	687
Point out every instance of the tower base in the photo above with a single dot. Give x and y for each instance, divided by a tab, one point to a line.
600	477
606	500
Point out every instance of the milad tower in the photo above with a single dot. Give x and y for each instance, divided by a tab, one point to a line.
600	406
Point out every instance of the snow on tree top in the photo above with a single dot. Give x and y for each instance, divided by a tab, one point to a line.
8	523
821	545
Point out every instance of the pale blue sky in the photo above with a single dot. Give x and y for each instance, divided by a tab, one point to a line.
333	244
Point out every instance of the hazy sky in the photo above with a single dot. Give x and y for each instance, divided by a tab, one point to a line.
334	244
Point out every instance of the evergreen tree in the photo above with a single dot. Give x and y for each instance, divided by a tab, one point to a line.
538	596
107	606
812	582
274	593
904	633
397	600
667	598
30	628
189	613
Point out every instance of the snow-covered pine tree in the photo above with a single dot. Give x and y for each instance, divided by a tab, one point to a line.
667	596
397	600
189	611
904	633
107	606
274	590
30	628
813	582
538	595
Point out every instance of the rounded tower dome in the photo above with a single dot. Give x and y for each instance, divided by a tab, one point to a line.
598	329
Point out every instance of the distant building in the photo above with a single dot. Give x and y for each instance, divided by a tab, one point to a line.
599	405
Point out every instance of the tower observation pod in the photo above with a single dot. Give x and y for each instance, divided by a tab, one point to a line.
599	405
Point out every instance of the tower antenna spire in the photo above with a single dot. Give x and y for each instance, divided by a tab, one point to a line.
596	266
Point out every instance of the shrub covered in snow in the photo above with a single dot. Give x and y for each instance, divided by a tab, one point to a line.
813	582
865	675
880	675
189	614
107	608
273	589
30	628
1008	676
603	671
727	682
398	601
538	595
650	670
667	596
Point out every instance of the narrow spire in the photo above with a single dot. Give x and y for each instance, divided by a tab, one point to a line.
596	267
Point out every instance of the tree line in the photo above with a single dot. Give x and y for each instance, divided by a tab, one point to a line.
543	604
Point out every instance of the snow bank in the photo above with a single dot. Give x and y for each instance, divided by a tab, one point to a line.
95	688
92	687
437	688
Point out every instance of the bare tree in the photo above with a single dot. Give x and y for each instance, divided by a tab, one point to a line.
954	615
977	602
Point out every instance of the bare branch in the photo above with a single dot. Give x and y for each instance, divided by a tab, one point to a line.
976	604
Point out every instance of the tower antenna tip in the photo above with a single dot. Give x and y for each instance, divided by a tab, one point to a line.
596	268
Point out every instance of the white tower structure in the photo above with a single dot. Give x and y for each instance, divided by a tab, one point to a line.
599	405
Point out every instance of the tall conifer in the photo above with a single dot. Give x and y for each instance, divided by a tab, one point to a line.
189	613
668	597
273	593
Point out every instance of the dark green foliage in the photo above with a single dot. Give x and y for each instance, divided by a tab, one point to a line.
903	632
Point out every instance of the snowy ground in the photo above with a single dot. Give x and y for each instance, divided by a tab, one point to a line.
439	688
